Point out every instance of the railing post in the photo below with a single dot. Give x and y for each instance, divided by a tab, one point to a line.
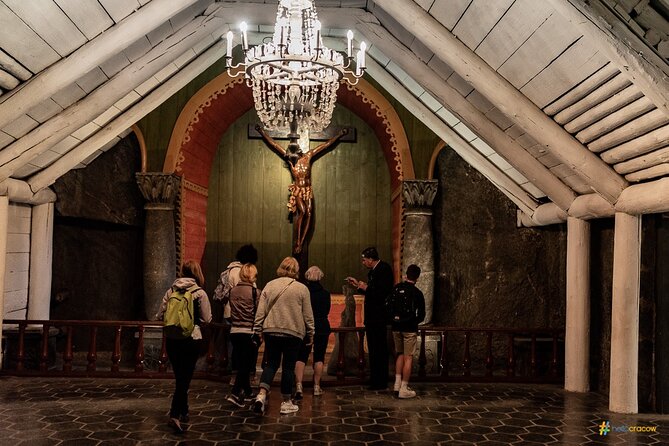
162	367
139	356
116	355
92	349
510	370
467	360
533	355
211	349
443	361
554	360
44	357
422	361
68	355
340	357
488	358
21	356
224	349
361	354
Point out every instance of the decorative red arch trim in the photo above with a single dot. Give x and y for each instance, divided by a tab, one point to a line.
209	113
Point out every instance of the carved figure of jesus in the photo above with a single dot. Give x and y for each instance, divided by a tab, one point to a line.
300	202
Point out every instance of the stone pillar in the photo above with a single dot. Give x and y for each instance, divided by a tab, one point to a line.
623	381
160	191
418	244
41	255
577	333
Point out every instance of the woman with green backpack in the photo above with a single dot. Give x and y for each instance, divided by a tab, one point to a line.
184	308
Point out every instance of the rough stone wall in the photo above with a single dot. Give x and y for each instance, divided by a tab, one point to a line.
98	233
491	273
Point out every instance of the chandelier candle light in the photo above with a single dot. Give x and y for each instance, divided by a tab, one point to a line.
294	77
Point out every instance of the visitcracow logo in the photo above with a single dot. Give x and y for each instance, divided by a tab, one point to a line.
605	428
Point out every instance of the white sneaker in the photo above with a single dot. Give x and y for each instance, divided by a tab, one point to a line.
259	404
396	387
288	407
318	391
406	393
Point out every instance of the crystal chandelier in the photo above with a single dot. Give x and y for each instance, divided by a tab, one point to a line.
294	77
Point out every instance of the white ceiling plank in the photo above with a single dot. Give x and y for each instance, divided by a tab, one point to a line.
20	126
477	21
474	119
120	9
89	17
137	49
448	12
509	100
114	64
648	71
516	194
92	80
48	20
65	145
81	61
45	110
571	68
517	25
79	114
5	139
23	44
126	120
551	39
68	95
160	33
581	90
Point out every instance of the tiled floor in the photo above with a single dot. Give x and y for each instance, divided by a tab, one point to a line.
57	411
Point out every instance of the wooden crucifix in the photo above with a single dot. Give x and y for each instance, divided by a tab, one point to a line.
300	202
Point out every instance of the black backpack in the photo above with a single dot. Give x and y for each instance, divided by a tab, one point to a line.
401	305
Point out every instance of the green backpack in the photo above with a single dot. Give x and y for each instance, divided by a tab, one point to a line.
179	316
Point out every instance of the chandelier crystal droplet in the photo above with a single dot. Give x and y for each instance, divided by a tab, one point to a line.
295	77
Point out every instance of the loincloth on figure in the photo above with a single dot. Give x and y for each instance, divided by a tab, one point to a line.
305	193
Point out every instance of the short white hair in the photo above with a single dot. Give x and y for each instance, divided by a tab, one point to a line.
314	274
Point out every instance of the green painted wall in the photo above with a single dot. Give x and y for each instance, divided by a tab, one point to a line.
248	193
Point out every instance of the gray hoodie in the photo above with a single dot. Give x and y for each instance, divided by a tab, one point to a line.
183	283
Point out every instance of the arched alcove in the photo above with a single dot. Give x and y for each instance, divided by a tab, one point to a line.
218	104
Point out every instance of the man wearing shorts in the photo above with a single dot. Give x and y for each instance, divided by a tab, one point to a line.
405	330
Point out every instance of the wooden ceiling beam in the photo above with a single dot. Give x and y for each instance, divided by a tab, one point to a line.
507	147
106	134
516	106
89	56
473	157
74	117
648	71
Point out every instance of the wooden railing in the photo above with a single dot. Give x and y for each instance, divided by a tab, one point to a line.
48	348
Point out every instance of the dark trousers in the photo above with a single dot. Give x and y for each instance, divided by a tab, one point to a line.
183	355
277	347
247	354
377	344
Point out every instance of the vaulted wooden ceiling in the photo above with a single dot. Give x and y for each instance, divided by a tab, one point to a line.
562	104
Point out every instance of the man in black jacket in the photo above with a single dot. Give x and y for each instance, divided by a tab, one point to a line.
376	290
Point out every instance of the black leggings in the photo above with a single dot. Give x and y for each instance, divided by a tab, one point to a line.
247	354
183	355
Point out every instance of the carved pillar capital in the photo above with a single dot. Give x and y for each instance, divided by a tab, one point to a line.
159	189
419	195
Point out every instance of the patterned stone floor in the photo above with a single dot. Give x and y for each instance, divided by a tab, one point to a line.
58	411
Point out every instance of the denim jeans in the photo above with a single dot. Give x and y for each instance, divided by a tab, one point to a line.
280	350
